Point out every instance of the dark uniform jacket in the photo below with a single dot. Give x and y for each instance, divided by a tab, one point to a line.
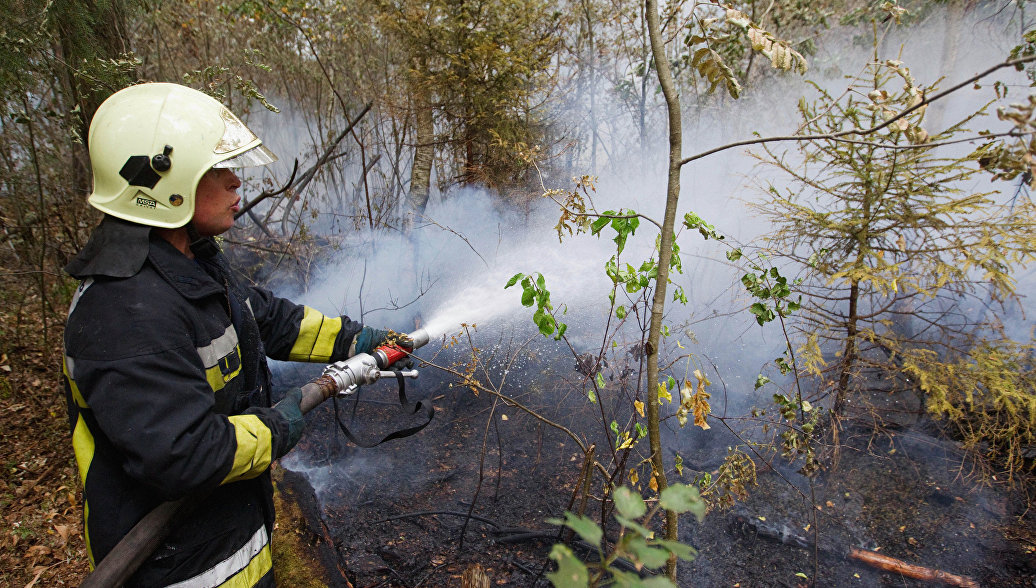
169	395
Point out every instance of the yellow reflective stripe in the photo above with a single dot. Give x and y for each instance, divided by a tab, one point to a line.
254	448
86	533
317	334
215	376
83	445
260	565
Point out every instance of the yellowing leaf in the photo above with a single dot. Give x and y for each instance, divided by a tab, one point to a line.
634	476
663	393
639	406
653	484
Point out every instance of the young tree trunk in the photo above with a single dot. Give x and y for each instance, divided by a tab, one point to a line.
665	255
424	152
851	350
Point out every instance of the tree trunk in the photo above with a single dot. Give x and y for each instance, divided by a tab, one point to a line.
424	152
665	255
851	352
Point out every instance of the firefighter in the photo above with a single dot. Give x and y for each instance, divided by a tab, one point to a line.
165	368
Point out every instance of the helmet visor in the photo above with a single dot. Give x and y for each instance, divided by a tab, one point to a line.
258	155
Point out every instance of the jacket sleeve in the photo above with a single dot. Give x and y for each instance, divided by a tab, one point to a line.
156	409
299	333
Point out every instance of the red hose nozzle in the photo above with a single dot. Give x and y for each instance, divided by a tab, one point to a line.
387	355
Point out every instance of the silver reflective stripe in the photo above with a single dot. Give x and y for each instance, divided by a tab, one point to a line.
225	569
220	347
79	292
75	300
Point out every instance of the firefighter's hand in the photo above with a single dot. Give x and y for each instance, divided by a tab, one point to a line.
290	408
367	340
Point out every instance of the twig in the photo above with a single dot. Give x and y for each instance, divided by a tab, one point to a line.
247	208
481	475
462	238
422	513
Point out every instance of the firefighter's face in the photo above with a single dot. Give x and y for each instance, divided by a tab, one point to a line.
216	202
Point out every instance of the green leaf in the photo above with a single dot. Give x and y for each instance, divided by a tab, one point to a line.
761	381
546	324
600	380
634	526
585	527
734	254
631	580
620	242
514	280
571	573
599	224
682	498
591	395
629	503
681	550
528	297
679	295
651	557
561	331
620	312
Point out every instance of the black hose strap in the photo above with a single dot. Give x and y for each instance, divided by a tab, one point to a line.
405	407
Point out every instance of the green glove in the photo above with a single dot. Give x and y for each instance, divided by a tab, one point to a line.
367	340
290	407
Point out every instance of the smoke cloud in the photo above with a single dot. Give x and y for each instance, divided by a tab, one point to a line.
454	268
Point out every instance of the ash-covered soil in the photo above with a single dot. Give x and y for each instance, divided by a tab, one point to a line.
397	514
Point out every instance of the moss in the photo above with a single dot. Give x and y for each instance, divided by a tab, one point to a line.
294	560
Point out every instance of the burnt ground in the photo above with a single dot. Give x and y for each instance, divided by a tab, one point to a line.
395	515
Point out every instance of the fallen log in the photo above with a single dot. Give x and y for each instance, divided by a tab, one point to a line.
891	564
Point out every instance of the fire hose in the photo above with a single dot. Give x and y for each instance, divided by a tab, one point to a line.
339	379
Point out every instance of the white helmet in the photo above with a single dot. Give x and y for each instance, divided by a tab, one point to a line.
151	143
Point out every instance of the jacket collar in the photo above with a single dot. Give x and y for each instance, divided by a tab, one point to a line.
183	274
116	249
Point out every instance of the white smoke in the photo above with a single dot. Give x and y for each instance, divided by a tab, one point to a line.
470	245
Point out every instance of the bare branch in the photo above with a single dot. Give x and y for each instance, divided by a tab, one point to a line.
862	132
